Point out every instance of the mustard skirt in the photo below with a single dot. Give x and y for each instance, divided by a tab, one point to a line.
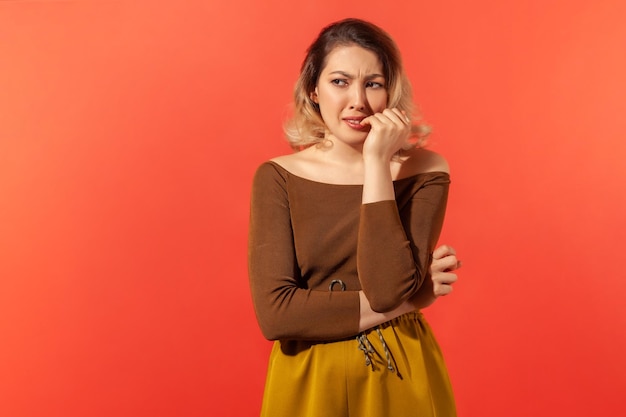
393	370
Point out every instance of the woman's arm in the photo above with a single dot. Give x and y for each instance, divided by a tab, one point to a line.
388	133
284	309
393	252
442	276
396	239
369	318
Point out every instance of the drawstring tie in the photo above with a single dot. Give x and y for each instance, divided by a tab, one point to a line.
364	344
366	347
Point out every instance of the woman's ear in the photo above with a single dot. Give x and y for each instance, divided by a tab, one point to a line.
313	96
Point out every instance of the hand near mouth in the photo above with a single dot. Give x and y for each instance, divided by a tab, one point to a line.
389	132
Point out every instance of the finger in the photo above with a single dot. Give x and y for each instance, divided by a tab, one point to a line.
442	251
402	117
386	117
395	116
448	263
444	278
451	263
375	120
406	116
441	290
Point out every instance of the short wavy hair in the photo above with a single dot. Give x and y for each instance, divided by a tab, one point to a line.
306	126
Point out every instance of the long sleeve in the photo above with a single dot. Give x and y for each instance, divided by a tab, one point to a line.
284	306
396	240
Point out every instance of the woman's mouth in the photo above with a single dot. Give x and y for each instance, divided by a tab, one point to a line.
355	123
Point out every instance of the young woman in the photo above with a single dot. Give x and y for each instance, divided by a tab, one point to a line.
342	236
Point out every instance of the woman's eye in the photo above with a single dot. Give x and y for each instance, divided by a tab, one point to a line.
339	82
372	84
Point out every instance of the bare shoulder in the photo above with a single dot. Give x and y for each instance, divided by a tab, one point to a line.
292	160
420	160
297	163
284	160
431	161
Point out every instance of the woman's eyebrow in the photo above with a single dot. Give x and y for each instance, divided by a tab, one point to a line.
350	76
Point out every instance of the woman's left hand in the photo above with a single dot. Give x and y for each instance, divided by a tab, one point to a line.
442	269
388	134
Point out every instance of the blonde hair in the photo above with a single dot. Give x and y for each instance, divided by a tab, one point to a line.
306	126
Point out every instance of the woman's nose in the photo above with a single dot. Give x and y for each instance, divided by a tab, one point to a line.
358	98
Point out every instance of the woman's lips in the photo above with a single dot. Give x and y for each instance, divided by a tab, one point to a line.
355	123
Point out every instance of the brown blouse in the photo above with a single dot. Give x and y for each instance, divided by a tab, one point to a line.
305	234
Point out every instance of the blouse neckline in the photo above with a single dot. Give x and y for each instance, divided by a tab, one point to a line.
399	180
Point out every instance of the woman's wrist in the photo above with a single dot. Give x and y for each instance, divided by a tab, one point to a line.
377	181
370	318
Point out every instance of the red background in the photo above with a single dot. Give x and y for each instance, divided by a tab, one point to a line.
129	132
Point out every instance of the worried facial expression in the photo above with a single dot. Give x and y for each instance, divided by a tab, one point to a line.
350	88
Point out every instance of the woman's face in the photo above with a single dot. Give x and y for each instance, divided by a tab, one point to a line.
351	87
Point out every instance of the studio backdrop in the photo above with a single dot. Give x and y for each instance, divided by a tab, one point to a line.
129	134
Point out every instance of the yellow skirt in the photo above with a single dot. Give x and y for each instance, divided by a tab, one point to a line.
393	370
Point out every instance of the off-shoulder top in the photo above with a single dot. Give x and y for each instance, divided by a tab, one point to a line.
304	234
